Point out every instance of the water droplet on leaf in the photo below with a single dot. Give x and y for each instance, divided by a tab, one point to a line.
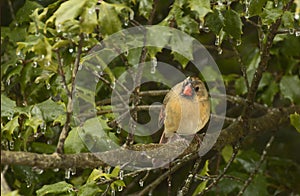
91	11
73	171
34	64
8	81
206	29
217	41
153	65
80	67
291	31
121	174
126	53
220	51
120	188
107	169
141	182
58	28
126	23
118	130
48	86
68	173
37	170
113	85
11	145
113	192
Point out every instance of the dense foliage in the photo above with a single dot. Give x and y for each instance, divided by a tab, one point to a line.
43	43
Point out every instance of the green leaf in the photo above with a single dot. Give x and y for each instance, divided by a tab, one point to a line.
210	74
42	147
233	24
108	16
74	143
11	125
182	46
145	7
202	185
34	123
95	175
200	7
248	160
117	183
205	169
270	14
12	193
297	11
57	188
288	19
89	17
289	87
51	110
215	21
115	172
68	10
89	189
251	67
7	106
133	56
240	86
258	186
187	24
61	119
268	96
295	121
23	14
181	59
227	153
256	7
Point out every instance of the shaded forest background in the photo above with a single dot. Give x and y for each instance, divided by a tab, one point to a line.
255	44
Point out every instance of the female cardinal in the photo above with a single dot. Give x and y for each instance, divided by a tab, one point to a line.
186	109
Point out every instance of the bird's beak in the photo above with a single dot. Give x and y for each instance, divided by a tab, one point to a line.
187	89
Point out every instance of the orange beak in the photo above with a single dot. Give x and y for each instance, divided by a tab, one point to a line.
188	91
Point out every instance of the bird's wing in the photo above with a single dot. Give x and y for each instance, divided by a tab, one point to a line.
162	116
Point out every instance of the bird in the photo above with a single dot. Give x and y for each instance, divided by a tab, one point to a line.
185	109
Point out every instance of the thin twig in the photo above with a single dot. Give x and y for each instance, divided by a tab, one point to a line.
186	187
262	159
242	65
215	181
64	133
11	9
112	179
62	74
161	178
152	14
265	56
214	177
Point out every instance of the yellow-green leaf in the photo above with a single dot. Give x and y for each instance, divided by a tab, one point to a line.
11	125
227	153
295	121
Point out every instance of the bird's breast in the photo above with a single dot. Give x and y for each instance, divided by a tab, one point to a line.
185	116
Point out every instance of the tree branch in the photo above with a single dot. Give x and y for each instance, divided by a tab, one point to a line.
270	121
64	133
264	58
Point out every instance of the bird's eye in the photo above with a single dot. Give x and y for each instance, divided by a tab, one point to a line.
197	88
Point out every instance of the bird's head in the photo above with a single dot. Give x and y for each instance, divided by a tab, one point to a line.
192	86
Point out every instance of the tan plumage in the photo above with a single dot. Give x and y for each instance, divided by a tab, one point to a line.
186	109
